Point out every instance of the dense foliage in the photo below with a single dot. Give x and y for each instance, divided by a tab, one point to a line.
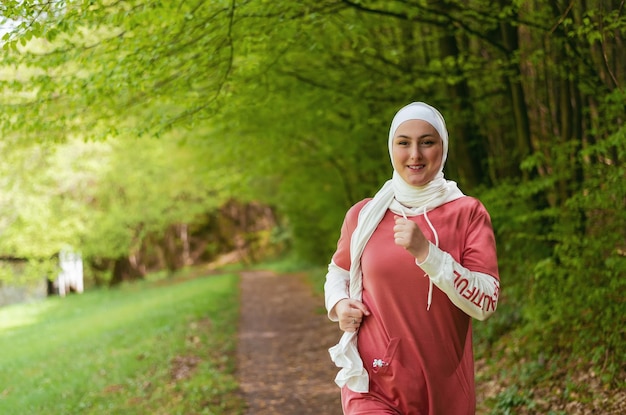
294	98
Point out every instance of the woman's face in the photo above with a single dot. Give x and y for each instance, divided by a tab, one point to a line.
417	151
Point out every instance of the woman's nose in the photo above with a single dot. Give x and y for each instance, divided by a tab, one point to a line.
415	153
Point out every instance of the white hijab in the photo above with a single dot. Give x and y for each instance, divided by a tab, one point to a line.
402	199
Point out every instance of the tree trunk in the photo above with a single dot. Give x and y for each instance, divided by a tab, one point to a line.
468	145
510	40
123	270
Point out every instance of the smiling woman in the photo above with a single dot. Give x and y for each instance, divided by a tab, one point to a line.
417	151
418	237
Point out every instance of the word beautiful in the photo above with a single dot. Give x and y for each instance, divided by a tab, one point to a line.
476	295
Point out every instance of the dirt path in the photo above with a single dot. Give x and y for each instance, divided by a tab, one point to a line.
283	362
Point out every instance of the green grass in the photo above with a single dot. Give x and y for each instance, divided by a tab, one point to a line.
157	347
285	264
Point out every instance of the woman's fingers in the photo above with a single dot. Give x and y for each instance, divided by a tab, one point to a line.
350	324
351	313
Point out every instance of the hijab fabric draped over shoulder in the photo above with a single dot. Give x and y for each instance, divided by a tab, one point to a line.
402	199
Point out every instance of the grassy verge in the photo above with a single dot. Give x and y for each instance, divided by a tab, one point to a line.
158	347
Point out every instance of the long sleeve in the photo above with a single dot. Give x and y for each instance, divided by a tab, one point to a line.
475	293
336	288
337	285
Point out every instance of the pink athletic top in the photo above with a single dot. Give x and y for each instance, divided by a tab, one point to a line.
419	361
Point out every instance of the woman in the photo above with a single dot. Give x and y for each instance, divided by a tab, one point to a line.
412	266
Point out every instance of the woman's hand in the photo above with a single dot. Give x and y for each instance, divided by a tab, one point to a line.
408	235
350	314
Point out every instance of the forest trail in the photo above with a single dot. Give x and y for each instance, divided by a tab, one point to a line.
282	359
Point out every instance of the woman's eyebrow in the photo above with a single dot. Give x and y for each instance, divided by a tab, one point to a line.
421	136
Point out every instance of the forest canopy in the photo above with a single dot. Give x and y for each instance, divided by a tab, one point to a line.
168	111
